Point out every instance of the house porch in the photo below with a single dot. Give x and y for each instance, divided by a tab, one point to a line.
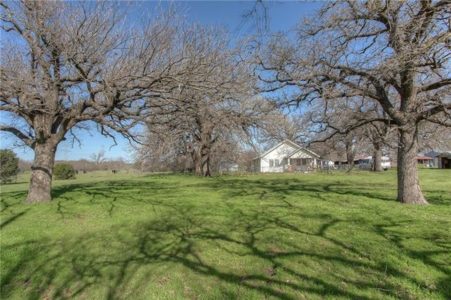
301	164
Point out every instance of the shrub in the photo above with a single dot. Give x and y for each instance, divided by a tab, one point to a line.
64	171
9	165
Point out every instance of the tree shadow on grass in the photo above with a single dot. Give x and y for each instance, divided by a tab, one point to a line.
11	219
8	210
11	199
127	259
290	259
237	188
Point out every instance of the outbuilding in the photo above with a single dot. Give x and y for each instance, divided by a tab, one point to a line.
440	159
444	160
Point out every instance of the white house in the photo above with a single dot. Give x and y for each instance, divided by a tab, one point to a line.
286	156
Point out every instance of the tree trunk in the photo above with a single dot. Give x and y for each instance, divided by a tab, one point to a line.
206	167
409	190
350	156
377	158
197	163
205	159
41	173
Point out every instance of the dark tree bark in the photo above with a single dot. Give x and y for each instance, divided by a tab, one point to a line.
409	190
41	173
49	133
377	158
206	162
197	163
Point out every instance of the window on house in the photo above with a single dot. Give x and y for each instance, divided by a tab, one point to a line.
271	162
277	162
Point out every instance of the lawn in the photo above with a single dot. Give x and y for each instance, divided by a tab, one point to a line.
286	236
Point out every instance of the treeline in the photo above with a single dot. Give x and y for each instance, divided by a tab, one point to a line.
84	165
168	155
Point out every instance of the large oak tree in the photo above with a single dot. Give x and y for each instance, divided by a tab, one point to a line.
64	63
393	53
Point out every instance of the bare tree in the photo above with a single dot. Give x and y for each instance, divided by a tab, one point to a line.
278	127
393	53
216	101
434	137
163	150
70	62
340	117
99	157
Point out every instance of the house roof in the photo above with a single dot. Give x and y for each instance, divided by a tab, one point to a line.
437	153
422	157
305	150
291	143
446	154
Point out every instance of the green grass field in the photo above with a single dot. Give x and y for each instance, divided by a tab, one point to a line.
287	236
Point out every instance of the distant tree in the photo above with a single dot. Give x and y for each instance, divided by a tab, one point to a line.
64	171
24	165
9	165
98	158
278	127
434	137
338	118
162	151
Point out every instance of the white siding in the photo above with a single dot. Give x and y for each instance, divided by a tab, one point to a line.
279	153
301	154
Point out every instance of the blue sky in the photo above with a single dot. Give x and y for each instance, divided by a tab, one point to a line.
283	16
